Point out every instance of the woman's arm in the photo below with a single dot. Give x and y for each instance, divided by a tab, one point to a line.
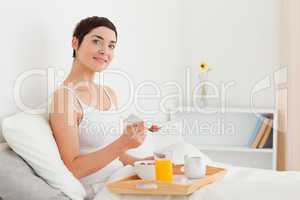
64	122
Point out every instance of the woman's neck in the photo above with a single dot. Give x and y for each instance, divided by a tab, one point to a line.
80	74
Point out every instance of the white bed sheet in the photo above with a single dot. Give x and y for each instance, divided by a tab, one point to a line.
239	184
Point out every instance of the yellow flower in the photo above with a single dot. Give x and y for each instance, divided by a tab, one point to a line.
203	67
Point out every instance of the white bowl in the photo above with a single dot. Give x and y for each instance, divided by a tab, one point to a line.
145	169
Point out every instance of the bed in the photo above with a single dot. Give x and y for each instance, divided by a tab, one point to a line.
239	183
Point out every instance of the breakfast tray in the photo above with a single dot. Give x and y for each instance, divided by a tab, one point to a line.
180	185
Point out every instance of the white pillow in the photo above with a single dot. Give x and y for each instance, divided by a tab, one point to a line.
183	148
30	136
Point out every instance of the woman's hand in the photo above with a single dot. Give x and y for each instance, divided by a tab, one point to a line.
133	135
148	158
127	159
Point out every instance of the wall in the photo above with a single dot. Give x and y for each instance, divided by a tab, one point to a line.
240	39
37	35
157	41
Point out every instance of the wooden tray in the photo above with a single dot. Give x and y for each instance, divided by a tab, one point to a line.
132	184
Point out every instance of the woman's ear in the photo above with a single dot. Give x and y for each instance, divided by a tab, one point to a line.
75	43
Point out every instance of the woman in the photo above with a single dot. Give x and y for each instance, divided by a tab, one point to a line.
91	155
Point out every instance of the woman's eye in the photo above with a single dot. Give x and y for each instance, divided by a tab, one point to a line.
111	46
96	41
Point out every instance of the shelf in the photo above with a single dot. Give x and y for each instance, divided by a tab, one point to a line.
233	149
224	148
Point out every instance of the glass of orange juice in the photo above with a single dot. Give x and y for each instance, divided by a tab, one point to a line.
163	166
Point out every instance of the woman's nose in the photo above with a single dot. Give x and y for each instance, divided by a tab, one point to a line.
102	49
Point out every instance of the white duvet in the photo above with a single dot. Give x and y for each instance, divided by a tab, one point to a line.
239	184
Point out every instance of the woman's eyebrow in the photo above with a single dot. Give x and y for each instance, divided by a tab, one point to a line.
101	38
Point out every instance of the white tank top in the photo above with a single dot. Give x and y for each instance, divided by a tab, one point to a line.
96	130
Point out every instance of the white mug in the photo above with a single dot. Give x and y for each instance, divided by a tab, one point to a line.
194	166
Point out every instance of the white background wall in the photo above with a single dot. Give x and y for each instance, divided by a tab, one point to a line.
37	35
240	39
157	41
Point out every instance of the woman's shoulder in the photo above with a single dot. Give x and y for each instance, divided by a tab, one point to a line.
64	98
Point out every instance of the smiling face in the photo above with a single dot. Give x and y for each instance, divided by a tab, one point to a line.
96	49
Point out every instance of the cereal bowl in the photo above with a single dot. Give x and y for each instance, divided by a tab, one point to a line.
145	169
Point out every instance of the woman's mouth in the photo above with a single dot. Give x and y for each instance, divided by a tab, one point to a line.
100	60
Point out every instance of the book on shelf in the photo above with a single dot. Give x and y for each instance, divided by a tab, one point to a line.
264	127
259	121
266	135
269	143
